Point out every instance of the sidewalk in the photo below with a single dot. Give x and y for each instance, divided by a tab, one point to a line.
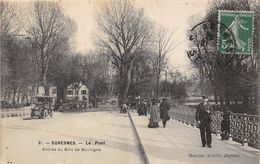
178	143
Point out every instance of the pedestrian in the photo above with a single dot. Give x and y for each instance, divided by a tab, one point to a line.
225	125
164	109
145	107
204	119
142	107
139	108
124	108
154	119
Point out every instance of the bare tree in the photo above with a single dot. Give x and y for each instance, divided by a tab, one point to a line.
8	32
163	46
8	23
126	32
48	29
95	68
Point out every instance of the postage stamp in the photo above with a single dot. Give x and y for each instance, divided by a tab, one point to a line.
235	32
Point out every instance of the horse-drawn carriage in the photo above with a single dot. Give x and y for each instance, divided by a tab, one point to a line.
42	107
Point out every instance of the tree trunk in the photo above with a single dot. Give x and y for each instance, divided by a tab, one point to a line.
121	86
127	80
27	99
8	97
22	99
14	94
227	97
157	75
18	95
221	100
245	100
215	95
202	81
235	100
124	83
45	66
37	89
111	88
5	95
157	86
60	93
46	87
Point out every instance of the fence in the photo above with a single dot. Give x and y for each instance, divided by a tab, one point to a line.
244	128
15	112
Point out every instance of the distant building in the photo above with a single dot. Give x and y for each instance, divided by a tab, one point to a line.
78	91
52	91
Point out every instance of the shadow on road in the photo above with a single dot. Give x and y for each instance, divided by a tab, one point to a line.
28	118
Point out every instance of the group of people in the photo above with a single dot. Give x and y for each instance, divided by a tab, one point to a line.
160	112
142	107
203	118
154	117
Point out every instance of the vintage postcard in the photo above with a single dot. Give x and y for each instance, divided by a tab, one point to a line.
129	82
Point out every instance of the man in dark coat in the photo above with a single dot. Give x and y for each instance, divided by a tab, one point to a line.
139	108
204	119
144	107
164	108
225	126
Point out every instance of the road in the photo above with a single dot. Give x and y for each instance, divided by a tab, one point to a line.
41	141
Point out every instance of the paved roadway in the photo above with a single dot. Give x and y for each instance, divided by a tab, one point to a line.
175	144
180	144
21	139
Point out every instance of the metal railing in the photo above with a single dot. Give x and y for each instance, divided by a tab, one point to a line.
244	128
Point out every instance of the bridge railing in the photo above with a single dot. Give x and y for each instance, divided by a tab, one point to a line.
244	128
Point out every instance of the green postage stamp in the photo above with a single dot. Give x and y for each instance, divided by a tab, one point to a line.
235	32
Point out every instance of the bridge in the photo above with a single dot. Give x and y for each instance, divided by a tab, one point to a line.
106	136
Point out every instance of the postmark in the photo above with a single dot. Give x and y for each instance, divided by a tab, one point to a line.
241	25
208	45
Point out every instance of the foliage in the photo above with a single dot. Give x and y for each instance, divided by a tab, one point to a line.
16	63
125	33
176	86
64	70
95	72
233	77
142	79
49	31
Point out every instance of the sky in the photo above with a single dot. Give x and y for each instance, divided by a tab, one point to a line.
169	14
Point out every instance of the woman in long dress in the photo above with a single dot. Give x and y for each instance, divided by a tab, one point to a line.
154	118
